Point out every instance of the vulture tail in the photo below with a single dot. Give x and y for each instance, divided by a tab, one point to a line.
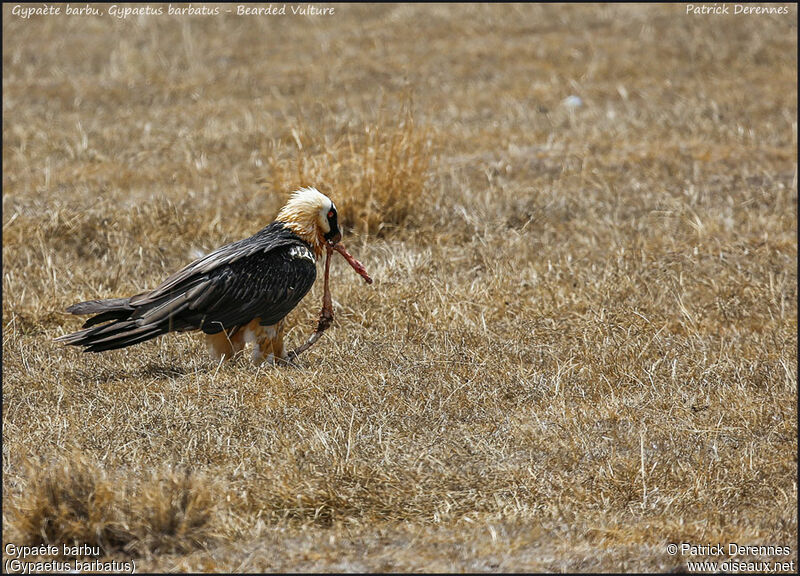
111	309
119	331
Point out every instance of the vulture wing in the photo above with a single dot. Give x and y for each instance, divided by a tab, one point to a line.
264	276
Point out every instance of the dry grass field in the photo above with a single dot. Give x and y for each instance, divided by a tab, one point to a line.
581	341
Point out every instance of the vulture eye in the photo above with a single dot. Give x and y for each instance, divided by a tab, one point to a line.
330	214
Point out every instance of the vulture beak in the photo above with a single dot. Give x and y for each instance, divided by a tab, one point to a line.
334	236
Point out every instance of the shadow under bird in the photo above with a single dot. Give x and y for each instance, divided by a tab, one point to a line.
237	294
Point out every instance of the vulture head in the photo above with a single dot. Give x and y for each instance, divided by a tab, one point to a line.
313	217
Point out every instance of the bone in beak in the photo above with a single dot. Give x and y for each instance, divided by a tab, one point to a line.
357	266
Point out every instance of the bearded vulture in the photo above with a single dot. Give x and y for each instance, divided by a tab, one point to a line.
237	294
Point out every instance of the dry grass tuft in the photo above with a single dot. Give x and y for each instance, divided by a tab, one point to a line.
176	513
75	502
377	171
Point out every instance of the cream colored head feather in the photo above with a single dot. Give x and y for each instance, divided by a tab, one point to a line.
306	214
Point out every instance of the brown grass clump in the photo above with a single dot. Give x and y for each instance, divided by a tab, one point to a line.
176	513
75	502
72	503
377	171
581	341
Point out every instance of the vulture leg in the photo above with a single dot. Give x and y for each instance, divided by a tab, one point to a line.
223	344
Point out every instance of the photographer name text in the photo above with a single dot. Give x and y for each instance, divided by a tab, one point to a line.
720	9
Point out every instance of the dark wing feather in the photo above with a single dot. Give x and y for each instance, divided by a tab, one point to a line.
267	288
264	276
273	236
